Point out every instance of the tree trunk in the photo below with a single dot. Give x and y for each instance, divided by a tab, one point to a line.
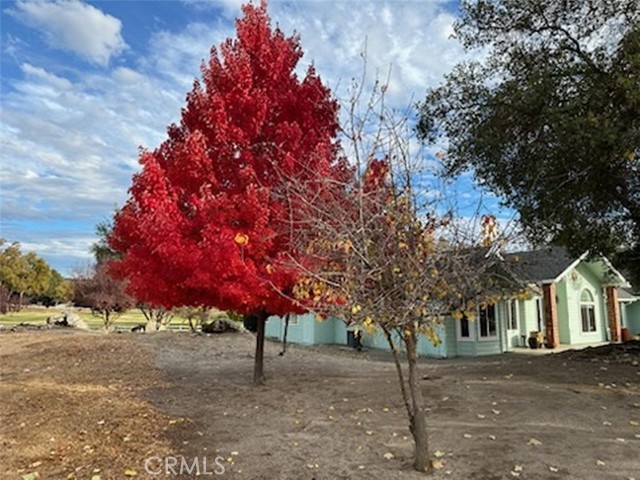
284	338
258	368
396	361
418	423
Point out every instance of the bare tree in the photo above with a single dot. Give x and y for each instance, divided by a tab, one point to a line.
104	295
381	255
158	318
195	316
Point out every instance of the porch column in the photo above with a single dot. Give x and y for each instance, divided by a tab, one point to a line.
550	315
613	314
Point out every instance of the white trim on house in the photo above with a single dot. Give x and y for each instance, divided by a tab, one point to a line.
513	315
567	270
624	284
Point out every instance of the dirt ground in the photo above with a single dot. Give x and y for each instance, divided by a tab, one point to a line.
94	406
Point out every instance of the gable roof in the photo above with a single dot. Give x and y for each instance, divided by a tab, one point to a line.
550	264
540	266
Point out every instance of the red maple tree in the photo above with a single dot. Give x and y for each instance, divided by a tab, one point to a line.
208	221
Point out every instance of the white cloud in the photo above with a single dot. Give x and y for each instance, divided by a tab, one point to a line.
74	26
69	140
69	148
230	7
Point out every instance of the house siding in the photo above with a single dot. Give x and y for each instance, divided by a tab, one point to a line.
488	347
466	348
451	343
563	312
339	332
425	347
303	332
324	331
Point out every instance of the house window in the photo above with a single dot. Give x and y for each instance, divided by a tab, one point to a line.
588	312
464	328
293	319
512	321
487	324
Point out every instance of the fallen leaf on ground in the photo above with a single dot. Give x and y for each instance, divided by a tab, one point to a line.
480	416
130	472
466	435
438	454
388	455
518	468
600	463
436	464
535	442
553	469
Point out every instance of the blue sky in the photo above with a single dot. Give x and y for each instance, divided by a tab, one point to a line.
85	84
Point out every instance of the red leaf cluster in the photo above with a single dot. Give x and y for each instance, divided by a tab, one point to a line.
208	219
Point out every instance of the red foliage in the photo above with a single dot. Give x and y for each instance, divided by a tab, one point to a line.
207	221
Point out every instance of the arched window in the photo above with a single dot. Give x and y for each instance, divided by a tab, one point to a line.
588	312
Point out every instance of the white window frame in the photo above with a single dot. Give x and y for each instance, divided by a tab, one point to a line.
588	306
293	319
488	338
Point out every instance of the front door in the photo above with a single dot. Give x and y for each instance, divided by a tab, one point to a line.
513	325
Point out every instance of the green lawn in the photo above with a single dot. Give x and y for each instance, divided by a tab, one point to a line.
124	322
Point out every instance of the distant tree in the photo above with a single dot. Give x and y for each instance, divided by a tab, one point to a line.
195	316
12	273
106	297
22	275
157	317
207	222
101	250
550	119
59	290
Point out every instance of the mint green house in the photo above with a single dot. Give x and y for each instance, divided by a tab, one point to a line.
571	301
